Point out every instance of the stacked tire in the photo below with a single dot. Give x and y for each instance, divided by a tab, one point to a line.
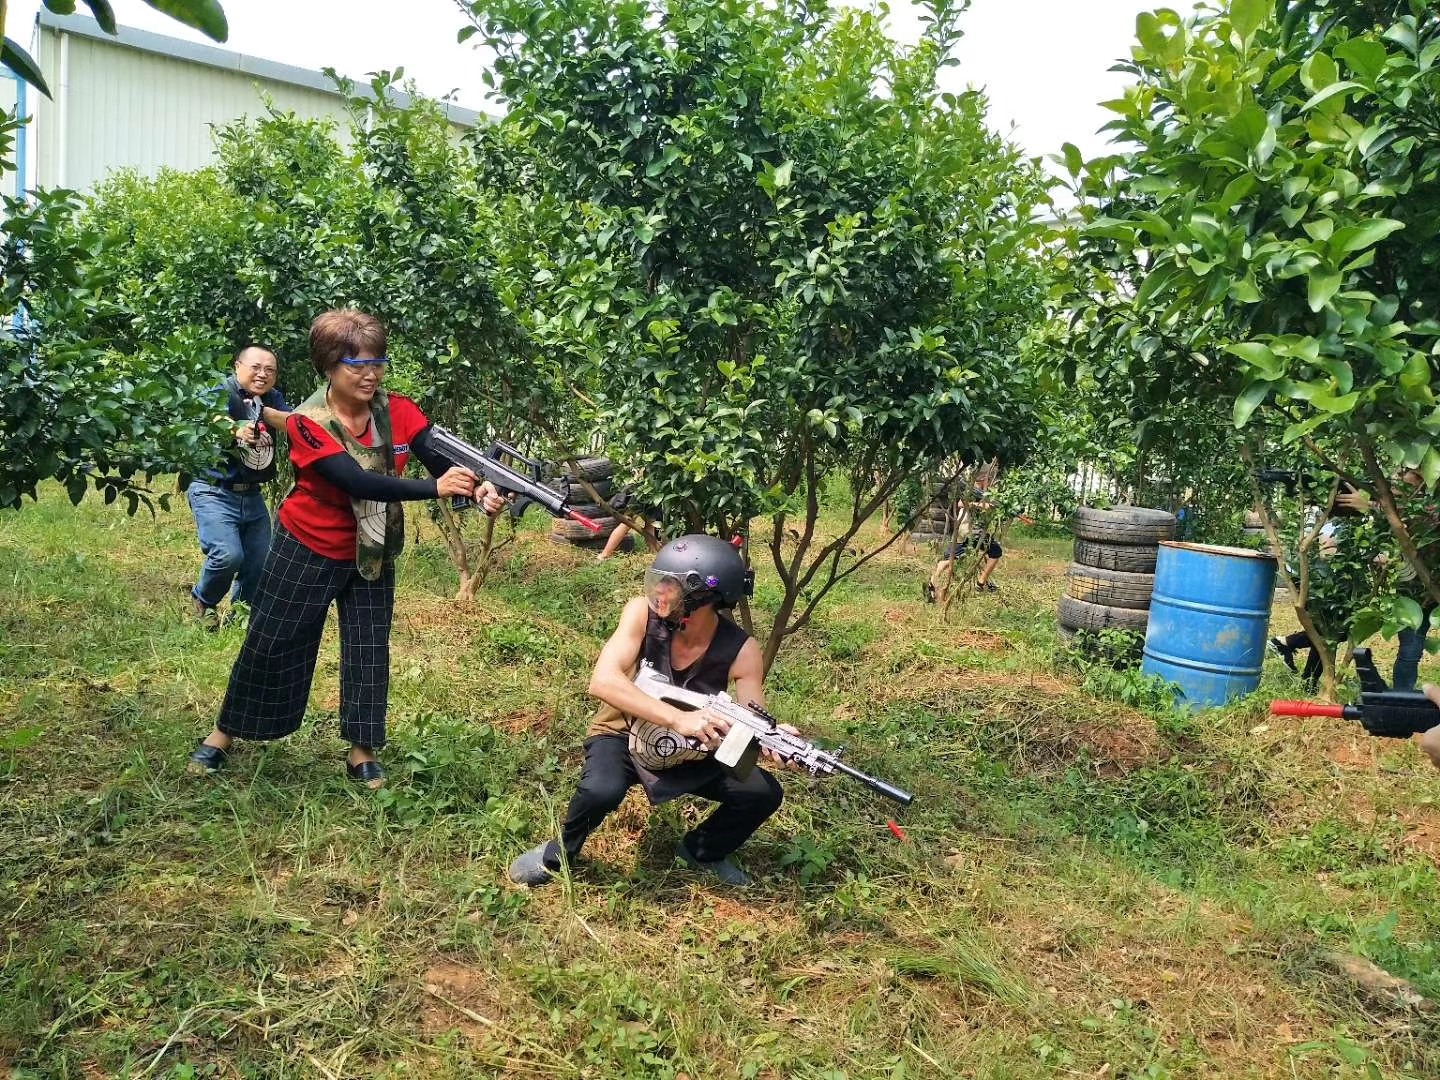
600	473
1110	582
933	525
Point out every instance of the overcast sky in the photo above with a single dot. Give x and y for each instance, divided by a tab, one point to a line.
1043	62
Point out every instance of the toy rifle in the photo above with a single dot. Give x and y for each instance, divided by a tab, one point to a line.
1383	712
525	489
752	729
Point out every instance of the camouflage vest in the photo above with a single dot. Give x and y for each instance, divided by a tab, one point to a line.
379	526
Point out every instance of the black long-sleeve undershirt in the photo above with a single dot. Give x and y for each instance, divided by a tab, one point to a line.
346	474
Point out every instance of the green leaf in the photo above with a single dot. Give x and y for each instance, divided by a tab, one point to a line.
1259	356
1247	16
1430	467
782	173
207	16
1249	125
1335	404
104	15
1322	285
1355	237
18	60
1318	72
1249	400
1343	87
1074	162
1364	57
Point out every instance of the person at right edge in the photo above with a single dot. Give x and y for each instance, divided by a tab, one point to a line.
679	628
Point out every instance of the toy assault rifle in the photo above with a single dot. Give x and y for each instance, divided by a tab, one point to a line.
526	489
752	729
1387	713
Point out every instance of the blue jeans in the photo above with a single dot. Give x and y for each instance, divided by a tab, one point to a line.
234	531
1412	648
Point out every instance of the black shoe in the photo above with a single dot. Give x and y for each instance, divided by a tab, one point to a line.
927	592
370	773
985	586
1285	652
206	760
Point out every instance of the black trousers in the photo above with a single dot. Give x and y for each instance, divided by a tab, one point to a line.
270	682
609	773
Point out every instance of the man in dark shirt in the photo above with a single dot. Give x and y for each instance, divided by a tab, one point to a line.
677	628
231	518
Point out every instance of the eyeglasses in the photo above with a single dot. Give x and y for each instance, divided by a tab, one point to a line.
378	363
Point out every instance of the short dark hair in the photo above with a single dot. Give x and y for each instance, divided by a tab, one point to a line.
253	345
341	333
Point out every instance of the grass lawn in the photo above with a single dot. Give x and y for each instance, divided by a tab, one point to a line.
1090	888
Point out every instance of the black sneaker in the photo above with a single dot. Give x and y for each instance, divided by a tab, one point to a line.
723	870
530	870
927	592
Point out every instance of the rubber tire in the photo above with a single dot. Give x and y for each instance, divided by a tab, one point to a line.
1079	615
1109	588
603	488
573	530
928	538
591	468
1132	525
1130	558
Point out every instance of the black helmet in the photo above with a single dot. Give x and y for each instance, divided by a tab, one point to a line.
707	570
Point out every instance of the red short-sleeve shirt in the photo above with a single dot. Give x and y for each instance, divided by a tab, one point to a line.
317	513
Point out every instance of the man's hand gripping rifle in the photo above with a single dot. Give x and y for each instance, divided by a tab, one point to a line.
525	489
764	733
1387	713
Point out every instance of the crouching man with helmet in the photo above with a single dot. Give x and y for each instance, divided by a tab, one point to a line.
679	628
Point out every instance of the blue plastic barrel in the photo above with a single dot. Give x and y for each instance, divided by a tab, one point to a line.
1209	620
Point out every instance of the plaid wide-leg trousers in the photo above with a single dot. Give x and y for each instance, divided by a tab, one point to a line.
270	682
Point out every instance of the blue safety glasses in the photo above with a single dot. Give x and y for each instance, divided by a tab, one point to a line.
378	363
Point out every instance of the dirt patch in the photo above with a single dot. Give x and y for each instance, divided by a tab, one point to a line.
1351	756
1422	836
980	640
1118	750
522	722
458	997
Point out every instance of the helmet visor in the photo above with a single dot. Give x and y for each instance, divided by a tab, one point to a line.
666	592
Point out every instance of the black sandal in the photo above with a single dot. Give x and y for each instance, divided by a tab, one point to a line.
367	772
206	760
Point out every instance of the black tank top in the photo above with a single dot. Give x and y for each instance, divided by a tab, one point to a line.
709	674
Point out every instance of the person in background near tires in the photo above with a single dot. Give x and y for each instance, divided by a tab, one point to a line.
677	627
1412	639
341	527
1327	606
970	533
626	500
232	521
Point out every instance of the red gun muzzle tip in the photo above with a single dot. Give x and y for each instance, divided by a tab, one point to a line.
593	526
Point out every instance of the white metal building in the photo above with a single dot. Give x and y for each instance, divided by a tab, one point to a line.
145	101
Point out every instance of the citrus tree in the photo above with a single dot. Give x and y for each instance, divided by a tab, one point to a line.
774	253
1264	246
73	405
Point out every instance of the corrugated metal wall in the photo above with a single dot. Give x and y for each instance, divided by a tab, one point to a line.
117	108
